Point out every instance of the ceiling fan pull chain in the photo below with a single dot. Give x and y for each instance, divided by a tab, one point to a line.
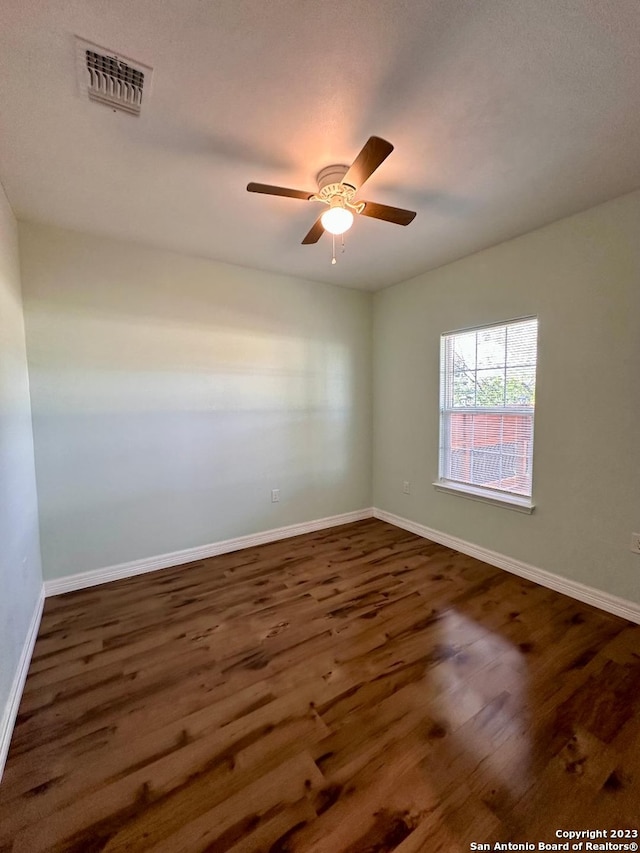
342	237
333	240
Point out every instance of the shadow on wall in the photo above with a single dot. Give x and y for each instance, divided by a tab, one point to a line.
154	435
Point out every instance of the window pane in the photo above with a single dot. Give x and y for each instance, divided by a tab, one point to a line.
491	450
490	388
521	342
521	386
465	350
492	346
464	388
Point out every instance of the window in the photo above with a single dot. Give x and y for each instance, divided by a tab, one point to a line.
487	400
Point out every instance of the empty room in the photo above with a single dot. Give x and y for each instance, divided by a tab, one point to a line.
319	426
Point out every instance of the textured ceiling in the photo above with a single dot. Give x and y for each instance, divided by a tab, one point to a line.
505	115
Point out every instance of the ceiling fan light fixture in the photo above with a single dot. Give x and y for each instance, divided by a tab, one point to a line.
338	218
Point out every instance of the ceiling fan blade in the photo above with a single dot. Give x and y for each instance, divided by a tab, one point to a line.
390	214
375	151
269	190
315	233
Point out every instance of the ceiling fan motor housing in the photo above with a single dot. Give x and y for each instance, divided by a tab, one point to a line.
333	192
331	175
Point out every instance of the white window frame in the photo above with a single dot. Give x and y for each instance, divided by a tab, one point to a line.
499	497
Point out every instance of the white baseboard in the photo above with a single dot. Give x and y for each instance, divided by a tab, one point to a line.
589	595
57	586
10	711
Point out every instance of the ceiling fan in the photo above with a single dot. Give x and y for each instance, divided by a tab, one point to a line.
337	187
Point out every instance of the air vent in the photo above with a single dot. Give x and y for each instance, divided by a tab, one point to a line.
111	79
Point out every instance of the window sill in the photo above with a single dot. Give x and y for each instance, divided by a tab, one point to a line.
516	502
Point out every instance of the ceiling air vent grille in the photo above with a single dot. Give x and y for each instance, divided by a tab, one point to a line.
110	79
113	82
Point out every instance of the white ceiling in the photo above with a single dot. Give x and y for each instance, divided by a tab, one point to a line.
505	115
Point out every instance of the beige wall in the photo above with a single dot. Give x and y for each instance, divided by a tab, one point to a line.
581	277
20	573
171	394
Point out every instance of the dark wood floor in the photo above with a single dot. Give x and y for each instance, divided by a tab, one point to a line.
353	690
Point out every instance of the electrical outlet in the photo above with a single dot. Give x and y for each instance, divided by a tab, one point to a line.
275	496
406	487
635	543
